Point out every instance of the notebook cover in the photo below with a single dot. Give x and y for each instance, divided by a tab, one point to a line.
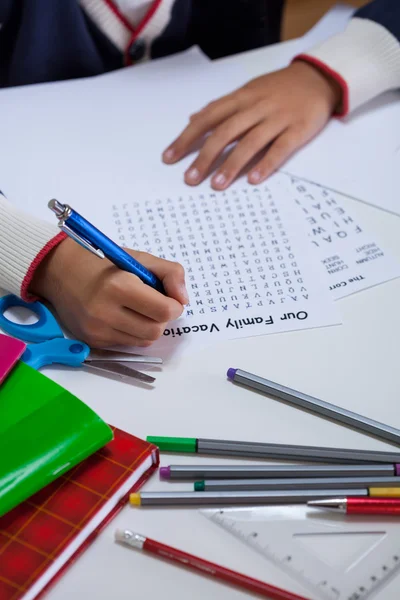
36	532
11	351
44	431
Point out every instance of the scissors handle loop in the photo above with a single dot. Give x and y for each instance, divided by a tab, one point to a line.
46	328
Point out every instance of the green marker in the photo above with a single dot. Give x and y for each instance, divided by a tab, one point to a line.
272	451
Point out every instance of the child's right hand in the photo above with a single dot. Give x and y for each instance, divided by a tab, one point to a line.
104	306
275	114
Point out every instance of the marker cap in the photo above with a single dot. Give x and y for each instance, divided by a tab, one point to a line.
135	499
165	472
391	492
199	486
231	373
174	444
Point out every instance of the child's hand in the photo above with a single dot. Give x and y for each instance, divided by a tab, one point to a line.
285	109
104	306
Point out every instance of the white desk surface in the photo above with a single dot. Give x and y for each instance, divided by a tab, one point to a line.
355	365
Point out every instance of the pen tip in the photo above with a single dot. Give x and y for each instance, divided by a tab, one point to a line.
327	503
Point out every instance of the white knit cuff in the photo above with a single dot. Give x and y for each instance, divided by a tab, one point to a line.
24	242
364	59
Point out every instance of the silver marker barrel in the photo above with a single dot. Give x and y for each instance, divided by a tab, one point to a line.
318	407
293	452
316	483
237	498
193	472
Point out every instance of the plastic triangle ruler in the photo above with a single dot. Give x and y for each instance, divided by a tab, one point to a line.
334	556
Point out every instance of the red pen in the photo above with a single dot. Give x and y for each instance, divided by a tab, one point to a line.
135	540
360	506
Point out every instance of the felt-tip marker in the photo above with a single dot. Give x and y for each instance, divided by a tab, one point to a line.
230	448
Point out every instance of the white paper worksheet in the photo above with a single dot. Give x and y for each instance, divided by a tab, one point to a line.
352	257
246	271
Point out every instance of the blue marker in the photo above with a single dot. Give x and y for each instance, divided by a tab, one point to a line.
85	234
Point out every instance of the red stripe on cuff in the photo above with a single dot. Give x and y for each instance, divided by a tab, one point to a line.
36	262
334	75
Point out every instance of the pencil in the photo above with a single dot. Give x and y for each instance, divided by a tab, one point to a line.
204	567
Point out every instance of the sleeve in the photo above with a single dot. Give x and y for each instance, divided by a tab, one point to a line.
24	242
6	7
228	27
365	58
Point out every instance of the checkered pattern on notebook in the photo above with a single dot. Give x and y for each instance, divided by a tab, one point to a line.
35	533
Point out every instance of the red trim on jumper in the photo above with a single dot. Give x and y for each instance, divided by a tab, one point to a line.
336	76
25	295
149	15
120	15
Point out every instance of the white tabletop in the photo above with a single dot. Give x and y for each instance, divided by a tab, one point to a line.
355	365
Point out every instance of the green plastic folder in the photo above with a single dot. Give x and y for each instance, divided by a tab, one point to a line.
44	432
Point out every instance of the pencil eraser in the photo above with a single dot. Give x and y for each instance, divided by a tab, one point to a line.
231	374
119	535
397	469
165	472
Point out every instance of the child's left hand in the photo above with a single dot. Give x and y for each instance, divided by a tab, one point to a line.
285	109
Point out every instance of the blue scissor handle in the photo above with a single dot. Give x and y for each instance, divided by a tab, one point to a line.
46	328
61	352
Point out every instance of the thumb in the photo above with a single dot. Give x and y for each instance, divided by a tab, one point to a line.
172	274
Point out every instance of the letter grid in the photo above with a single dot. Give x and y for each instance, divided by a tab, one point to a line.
234	247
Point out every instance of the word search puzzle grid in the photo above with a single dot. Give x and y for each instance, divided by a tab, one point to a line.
244	272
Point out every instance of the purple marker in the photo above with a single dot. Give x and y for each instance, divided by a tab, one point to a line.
318	407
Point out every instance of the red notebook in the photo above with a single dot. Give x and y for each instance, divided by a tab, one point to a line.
42	536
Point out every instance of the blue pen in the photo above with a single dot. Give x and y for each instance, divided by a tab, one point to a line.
85	234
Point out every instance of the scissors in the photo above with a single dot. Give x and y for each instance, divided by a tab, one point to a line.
50	346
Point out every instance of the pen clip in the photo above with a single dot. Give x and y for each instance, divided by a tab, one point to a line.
80	240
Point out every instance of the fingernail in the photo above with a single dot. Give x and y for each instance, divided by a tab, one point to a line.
184	293
169	154
219	179
255	177
192	175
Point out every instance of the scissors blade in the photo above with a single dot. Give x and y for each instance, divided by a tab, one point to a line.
115	356
123	371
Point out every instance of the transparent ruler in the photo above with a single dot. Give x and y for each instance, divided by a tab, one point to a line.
334	556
